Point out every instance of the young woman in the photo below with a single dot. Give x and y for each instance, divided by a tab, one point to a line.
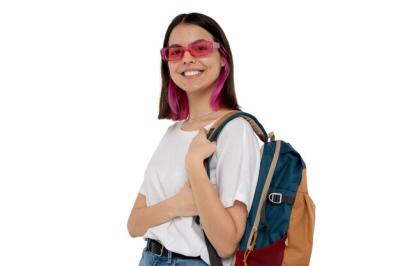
197	89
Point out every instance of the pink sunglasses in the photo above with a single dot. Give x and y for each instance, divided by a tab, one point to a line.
199	48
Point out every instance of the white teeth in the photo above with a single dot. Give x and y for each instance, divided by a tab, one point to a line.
191	73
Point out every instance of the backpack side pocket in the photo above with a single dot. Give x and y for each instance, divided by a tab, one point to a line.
301	228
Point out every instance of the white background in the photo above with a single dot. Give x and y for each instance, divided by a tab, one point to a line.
80	84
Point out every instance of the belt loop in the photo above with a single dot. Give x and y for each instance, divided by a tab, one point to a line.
169	256
147	244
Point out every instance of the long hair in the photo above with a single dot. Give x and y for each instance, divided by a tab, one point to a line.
174	103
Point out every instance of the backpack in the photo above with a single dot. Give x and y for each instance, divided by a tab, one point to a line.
280	225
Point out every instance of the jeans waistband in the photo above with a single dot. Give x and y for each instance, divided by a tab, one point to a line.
159	250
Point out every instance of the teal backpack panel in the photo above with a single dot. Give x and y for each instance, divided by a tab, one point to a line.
275	217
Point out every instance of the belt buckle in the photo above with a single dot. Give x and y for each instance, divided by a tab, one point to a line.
162	249
149	245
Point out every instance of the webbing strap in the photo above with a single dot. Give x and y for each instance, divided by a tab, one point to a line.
279	198
275	198
252	240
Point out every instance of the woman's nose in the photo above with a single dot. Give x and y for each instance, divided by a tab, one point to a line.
187	57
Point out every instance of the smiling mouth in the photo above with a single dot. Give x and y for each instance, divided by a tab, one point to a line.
192	73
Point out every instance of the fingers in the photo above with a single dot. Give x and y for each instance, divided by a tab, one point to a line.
205	132
202	130
187	183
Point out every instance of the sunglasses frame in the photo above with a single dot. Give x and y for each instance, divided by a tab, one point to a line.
213	45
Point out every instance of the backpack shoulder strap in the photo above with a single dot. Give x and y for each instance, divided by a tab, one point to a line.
218	125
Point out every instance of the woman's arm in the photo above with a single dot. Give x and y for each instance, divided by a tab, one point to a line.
143	217
224	227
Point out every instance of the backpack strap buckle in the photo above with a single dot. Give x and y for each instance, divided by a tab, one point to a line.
275	198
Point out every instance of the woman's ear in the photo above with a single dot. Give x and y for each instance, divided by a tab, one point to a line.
223	62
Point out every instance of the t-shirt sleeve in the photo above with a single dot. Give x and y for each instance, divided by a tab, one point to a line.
143	189
236	163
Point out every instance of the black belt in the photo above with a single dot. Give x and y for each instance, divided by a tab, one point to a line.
158	249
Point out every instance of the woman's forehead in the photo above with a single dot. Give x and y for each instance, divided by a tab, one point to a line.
184	34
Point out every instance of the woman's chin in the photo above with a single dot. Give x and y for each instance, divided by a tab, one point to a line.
194	89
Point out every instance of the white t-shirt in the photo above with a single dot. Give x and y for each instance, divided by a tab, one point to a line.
233	169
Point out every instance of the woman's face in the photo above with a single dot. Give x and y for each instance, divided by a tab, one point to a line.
209	66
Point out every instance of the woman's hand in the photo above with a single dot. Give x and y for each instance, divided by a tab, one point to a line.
184	202
200	148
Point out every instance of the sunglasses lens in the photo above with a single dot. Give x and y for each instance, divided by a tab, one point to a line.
201	49
174	53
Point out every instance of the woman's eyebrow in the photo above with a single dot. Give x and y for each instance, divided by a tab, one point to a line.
199	40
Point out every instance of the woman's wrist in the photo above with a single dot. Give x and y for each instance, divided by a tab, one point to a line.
193	161
172	207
